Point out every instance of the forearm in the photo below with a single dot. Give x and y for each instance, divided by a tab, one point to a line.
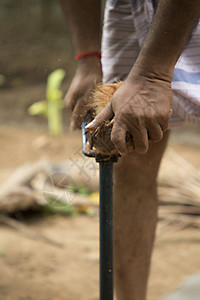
84	22
168	34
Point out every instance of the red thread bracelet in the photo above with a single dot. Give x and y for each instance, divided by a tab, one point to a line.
86	54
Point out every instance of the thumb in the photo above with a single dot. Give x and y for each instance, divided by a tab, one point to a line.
104	115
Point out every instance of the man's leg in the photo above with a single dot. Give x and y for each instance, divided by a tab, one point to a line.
135	215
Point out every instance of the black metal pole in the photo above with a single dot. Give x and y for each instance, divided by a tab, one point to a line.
106	230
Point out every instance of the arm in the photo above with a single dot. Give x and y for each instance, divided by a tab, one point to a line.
170	31
142	105
84	22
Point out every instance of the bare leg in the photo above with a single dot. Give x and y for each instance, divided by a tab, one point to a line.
135	214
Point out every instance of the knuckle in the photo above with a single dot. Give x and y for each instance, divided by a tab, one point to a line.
164	125
156	135
114	137
164	117
159	137
116	140
130	120
68	103
149	117
142	149
141	144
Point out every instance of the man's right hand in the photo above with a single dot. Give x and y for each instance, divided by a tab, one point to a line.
88	74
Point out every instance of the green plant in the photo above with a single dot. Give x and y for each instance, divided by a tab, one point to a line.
60	208
79	188
52	108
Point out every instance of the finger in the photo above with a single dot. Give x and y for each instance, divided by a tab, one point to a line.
140	138
163	120
155	132
104	115
118	136
71	99
78	114
164	125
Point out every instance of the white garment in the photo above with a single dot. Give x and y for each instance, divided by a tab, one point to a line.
126	24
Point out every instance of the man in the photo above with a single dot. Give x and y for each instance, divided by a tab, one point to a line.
143	53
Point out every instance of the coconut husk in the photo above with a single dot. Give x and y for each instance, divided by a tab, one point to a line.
99	141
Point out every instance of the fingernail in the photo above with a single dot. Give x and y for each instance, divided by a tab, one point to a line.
88	126
122	153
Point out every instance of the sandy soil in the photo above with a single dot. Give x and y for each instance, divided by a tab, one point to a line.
36	270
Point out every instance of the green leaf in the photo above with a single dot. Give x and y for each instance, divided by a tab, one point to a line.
39	108
81	189
53	84
52	109
60	208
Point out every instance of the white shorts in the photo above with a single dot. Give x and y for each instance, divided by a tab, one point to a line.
126	24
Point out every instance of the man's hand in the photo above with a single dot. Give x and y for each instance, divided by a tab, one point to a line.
88	74
142	107
84	22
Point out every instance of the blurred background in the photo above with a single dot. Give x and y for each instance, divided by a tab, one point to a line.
49	192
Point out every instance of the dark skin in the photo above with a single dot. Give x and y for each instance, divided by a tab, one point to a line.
84	22
142	112
142	105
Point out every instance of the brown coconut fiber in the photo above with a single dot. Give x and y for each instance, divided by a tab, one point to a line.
99	141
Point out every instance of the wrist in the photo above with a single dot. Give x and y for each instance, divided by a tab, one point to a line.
84	55
89	63
151	67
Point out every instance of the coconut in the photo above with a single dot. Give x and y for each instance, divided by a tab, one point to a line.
99	140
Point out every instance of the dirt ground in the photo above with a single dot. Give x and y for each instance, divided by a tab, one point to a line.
36	270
